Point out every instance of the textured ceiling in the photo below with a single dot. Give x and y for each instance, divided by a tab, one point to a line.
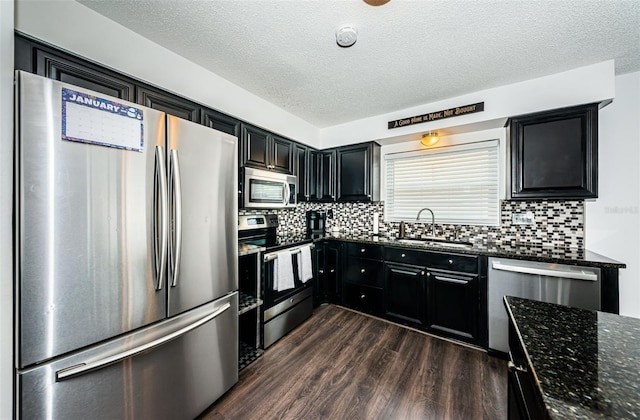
409	52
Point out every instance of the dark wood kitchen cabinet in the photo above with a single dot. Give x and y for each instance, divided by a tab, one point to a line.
169	103
554	154
221	122
524	401
261	149
453	304
404	293
49	62
363	278
303	170
357	172
328	265
324	168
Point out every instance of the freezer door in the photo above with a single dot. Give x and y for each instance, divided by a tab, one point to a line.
172	370
203	179
86	268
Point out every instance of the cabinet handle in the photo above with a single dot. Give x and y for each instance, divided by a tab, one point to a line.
403	255
363	296
362	250
514	368
332	271
450	261
321	271
428	274
362	270
422	272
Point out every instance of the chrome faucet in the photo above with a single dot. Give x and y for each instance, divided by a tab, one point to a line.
433	220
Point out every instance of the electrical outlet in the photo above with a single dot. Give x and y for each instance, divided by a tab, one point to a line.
522	218
330	214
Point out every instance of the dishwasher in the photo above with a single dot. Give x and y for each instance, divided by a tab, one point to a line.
568	285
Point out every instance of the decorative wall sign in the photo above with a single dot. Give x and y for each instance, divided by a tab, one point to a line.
94	120
438	115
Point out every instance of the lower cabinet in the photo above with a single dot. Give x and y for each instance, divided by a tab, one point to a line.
363	298
453	304
524	401
404	293
328	270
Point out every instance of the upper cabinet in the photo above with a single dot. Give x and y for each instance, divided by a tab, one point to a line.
221	122
53	64
304	168
358	172
261	149
554	154
169	103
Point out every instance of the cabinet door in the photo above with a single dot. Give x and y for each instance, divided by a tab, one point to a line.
281	155
254	147
301	171
453	304
327	175
353	173
221	122
404	293
555	154
314	175
45	61
166	102
333	270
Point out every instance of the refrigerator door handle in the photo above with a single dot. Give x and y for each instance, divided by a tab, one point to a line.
83	368
176	208
160	219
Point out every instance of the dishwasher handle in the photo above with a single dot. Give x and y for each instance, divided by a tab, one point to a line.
574	275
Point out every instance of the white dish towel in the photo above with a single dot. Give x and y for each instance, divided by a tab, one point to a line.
283	272
305	269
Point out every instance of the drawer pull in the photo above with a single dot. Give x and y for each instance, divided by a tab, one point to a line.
362	250
321	271
362	270
450	261
332	270
514	368
403	255
363	296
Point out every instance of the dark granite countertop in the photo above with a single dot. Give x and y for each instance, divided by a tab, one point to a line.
523	251
586	363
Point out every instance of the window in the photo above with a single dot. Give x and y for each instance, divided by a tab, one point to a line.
460	184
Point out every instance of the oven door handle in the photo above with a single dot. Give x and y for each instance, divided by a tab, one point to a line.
270	256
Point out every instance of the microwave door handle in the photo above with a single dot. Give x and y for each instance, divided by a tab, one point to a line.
287	191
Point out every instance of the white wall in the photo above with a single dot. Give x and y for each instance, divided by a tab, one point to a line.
613	220
588	84
80	30
6	200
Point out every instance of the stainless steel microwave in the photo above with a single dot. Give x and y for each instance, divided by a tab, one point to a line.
268	190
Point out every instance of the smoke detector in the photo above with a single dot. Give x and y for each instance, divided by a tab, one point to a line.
346	36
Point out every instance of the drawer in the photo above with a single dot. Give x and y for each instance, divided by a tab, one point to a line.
365	251
443	261
454	262
363	271
363	298
406	256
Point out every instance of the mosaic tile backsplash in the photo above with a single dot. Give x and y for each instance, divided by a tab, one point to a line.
557	224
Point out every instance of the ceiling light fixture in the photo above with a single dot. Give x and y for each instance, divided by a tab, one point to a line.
376	2
430	138
346	36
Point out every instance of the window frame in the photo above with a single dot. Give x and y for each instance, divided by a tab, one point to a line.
447	143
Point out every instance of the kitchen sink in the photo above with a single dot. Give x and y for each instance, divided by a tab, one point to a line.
435	242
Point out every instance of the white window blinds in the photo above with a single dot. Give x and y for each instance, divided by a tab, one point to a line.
459	183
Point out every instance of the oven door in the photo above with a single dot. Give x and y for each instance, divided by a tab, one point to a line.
273	297
268	190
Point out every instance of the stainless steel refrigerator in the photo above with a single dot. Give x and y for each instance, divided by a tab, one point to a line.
126	270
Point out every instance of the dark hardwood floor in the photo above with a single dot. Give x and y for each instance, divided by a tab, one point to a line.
344	365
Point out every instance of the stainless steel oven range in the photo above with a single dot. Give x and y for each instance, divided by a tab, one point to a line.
285	309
